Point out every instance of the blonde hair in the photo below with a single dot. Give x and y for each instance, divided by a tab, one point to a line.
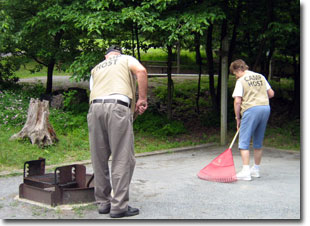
238	65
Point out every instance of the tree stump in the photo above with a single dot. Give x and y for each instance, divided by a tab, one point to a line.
37	127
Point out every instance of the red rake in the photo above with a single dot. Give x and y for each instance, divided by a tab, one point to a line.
222	168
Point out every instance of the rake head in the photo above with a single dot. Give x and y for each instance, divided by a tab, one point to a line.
221	169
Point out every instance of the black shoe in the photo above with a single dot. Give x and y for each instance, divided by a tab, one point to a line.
130	212
103	210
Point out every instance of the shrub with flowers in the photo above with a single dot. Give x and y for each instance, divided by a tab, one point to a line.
14	105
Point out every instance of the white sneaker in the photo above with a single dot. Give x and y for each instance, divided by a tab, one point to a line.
244	175
255	172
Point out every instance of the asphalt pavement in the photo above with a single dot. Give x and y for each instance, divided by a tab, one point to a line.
166	186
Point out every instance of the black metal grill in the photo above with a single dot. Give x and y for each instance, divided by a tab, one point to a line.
67	185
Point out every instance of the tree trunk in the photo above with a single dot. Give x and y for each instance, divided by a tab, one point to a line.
199	62
210	62
133	40
296	101
178	57
234	33
49	82
270	67
52	62
138	43
268	73
37	127
170	82
259	55
261	51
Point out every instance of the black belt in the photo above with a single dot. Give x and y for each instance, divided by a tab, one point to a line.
110	101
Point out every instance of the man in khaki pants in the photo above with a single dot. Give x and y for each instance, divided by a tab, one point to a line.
110	119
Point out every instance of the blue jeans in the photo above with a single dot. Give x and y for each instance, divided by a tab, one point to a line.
253	125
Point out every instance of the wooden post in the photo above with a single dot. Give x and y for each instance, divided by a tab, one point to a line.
224	71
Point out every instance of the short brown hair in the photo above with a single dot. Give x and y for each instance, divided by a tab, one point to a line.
238	65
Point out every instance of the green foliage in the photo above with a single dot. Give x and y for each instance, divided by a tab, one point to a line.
160	21
287	136
83	64
184	102
68	99
161	94
158	126
13	109
66	122
210	119
14	105
42	31
67	32
7	67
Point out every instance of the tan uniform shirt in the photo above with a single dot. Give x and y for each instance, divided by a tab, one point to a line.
254	90
113	76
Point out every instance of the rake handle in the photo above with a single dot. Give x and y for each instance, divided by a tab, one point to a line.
233	141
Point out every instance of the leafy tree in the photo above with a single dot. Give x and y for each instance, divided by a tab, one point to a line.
182	22
76	33
8	63
41	31
108	22
258	31
7	68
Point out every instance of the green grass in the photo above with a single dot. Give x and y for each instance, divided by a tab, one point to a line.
79	211
154	55
31	69
70	148
285	137
160	54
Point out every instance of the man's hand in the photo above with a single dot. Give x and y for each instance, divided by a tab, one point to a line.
139	70
141	106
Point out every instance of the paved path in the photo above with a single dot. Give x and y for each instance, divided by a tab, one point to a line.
64	82
59	82
166	186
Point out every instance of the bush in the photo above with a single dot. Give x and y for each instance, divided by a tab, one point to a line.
68	99
14	105
158	125
7	68
75	101
210	119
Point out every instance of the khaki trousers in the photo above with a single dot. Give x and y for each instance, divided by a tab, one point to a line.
111	134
